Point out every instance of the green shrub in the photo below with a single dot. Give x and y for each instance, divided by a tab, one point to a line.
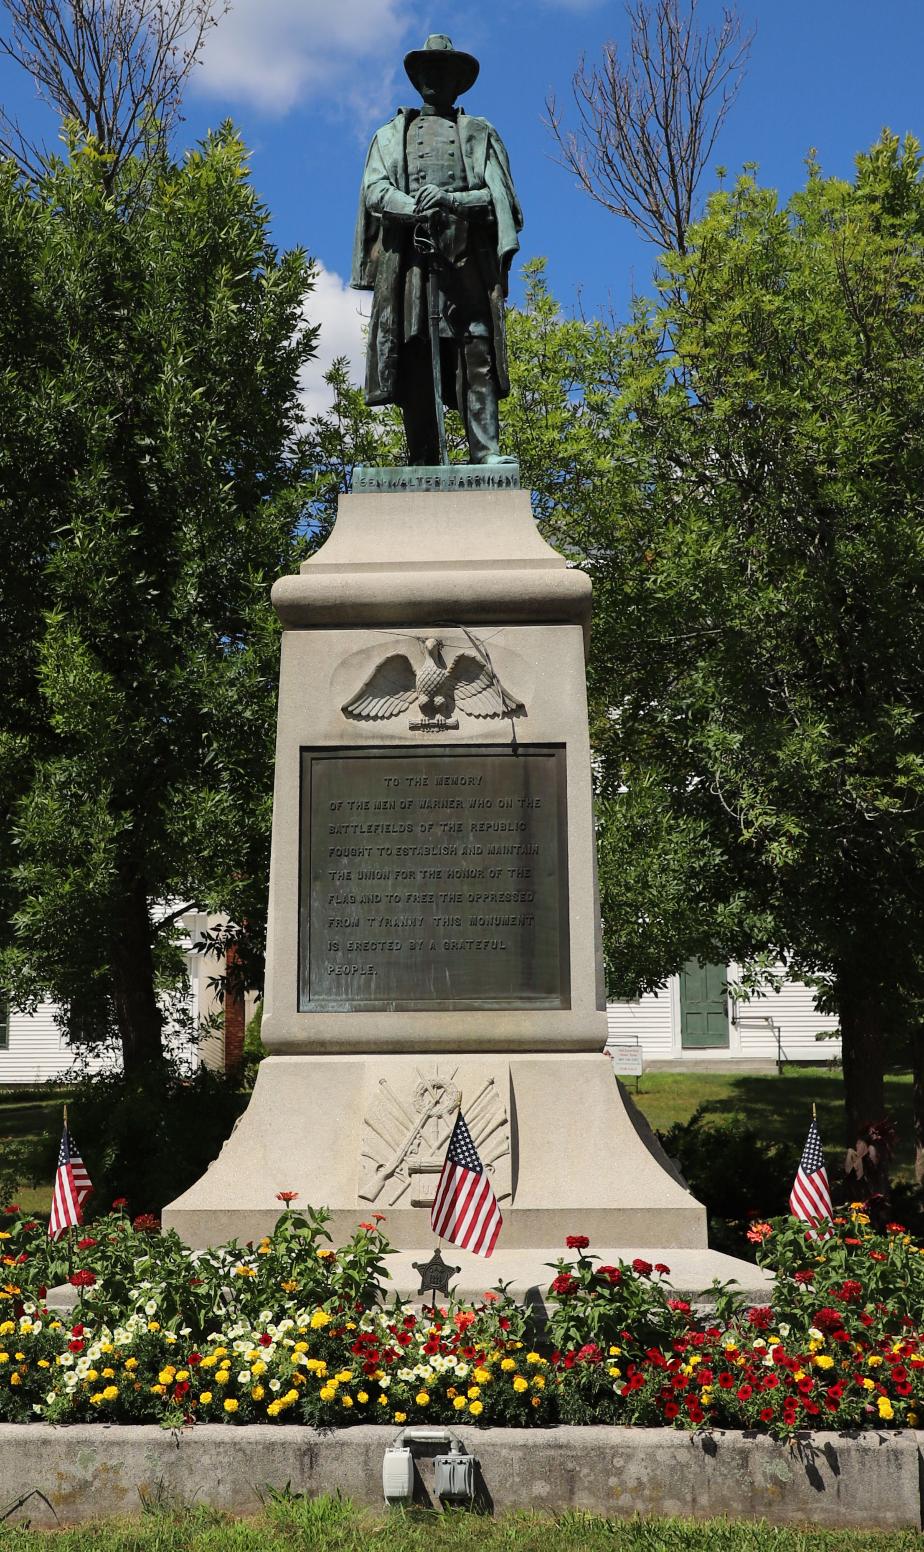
736	1171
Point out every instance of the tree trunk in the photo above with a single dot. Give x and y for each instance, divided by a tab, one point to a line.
862	1022
138	1016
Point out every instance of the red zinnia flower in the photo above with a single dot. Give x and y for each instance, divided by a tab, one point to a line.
805	1276
849	1292
120	1201
611	1273
665	1271
577	1242
761	1317
564	1284
877	1255
679	1306
86	1243
643	1268
891	1228
82	1279
146	1222
850	1241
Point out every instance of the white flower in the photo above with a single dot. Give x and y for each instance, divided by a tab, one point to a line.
151	1307
384	1382
814	1333
243	1377
784	1330
52	1396
461	1370
274	1385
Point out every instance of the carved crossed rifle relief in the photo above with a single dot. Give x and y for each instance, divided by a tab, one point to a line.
406	1132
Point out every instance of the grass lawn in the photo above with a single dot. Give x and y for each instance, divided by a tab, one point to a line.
779	1108
27	1114
289	1524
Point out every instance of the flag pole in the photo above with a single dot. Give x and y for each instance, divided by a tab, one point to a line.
70	1227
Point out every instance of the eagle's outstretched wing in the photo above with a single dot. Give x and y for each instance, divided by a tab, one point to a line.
475	684
387	692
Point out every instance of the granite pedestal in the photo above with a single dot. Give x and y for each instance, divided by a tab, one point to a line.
434	930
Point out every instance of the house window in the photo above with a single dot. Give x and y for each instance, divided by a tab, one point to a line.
4	1025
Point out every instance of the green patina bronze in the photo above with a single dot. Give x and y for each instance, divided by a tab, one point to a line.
437	230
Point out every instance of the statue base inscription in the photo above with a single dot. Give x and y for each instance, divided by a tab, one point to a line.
436	476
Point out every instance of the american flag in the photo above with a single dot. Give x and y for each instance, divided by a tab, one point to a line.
810	1197
72	1187
465	1209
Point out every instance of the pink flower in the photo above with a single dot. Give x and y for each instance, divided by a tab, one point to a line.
286	1196
758	1232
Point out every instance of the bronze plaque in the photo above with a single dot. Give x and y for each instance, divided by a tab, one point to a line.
433	880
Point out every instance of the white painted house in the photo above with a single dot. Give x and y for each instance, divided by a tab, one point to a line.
34	1050
697	1019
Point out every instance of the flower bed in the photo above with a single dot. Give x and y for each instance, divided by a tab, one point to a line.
290	1330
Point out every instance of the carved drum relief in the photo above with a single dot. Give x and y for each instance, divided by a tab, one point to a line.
406	1131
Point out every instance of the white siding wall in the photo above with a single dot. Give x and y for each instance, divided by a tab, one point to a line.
37	1049
654	1022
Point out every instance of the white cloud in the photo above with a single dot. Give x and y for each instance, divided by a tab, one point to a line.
336	308
273	54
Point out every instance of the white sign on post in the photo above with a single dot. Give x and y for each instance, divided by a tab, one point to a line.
627	1060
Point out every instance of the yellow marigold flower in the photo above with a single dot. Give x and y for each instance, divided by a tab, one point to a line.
97	1399
10	1325
534	1358
4	1357
885	1408
222	1377
263	1250
109	1374
325	1255
520	1384
165	1376
482	1376
106	1347
823	1361
460	1403
15	1379
476	1408
273	1409
44	1364
20	1357
245	1271
91	1375
181	1375
153	1325
219	1352
539	1382
346	1401
208	1363
257	1392
300	1347
258	1368
868	1384
362	1397
110	1393
912	1419
614	1372
383	1400
230	1405
799	1374
874	1360
422	1398
328	1392
507	1364
400	1417
205	1398
319	1319
158	1390
289	1286
473	1392
344	1377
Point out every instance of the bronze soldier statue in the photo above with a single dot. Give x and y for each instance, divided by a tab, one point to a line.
437	230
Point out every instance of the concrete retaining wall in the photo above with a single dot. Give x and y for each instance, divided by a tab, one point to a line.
834	1480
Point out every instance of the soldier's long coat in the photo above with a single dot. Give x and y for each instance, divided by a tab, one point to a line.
382	244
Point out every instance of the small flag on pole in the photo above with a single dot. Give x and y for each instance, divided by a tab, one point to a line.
72	1187
810	1197
465	1209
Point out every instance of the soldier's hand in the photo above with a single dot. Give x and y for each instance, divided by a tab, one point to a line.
431	198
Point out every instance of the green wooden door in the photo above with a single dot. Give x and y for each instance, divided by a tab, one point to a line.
703	1006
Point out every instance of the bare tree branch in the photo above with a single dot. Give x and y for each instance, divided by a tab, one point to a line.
648	122
115	67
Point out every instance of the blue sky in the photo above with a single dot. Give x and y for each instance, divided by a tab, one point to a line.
307	81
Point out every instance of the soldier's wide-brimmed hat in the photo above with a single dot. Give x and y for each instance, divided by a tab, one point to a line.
439	58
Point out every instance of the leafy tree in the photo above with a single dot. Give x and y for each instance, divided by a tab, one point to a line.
151	489
759	638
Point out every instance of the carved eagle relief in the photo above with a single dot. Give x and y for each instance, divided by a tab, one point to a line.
436	686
